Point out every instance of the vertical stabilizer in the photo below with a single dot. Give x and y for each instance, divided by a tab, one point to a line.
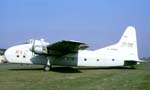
128	43
128	39
126	48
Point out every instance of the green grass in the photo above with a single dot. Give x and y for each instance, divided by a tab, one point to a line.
76	79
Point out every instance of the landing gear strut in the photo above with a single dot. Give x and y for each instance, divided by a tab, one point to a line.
48	66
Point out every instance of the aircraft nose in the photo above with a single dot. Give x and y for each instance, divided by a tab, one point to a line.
7	55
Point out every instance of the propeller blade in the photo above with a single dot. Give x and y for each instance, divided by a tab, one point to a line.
33	44
44	46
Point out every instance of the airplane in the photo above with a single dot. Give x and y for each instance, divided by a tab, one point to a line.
73	53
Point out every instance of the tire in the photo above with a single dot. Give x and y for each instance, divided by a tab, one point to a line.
47	68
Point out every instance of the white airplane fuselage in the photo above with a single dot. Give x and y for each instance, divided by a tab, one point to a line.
124	53
22	54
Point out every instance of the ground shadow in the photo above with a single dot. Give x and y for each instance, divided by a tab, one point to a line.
66	70
25	69
62	69
104	68
54	69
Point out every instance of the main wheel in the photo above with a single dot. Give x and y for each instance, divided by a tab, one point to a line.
47	68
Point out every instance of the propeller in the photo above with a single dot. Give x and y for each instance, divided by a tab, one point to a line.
33	44
39	47
44	46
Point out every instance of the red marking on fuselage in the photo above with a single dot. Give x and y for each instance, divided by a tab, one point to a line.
24	52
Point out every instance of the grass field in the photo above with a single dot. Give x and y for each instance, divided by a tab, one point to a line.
75	78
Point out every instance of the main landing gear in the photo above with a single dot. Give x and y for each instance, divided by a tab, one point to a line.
48	66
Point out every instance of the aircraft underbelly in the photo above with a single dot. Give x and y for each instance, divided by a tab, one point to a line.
65	62
92	62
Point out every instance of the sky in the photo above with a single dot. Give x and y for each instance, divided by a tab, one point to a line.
96	22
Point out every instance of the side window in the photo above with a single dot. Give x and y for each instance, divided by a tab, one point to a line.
113	59
17	56
97	59
24	56
85	59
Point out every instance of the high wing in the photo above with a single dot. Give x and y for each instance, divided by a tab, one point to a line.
65	47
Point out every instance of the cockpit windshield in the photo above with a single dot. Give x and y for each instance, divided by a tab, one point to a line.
29	41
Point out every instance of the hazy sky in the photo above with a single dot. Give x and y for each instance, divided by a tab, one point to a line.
96	22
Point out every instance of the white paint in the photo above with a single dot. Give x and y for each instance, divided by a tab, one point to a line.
111	56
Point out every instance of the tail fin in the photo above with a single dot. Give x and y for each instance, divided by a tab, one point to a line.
128	43
128	39
126	47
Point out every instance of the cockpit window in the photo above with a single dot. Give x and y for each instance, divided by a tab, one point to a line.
29	41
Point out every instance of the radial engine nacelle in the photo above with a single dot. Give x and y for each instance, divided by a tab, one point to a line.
39	47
